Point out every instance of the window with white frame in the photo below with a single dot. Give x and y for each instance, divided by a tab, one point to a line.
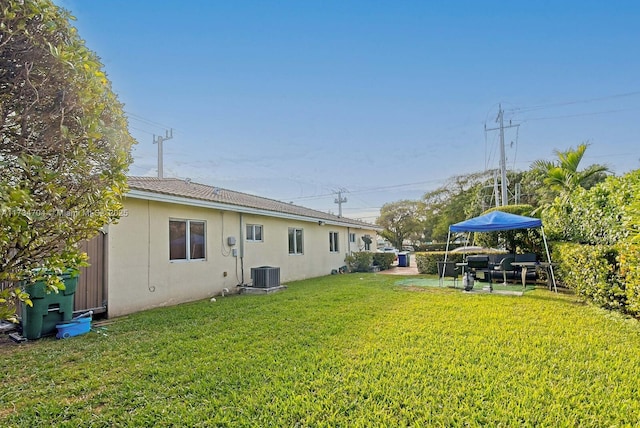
352	237
254	232
187	240
333	242
295	241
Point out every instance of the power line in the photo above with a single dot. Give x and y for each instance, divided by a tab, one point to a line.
145	120
141	130
580	114
368	190
566	103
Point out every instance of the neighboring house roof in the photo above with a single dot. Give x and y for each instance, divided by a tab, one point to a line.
195	194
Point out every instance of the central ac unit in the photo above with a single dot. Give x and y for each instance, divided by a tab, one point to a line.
265	276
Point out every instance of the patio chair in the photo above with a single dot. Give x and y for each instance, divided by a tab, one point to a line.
450	270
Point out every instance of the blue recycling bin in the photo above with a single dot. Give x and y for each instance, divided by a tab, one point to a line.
403	259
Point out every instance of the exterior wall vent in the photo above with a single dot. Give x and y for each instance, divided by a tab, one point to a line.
265	276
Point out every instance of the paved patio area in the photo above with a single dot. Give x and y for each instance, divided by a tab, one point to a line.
412	269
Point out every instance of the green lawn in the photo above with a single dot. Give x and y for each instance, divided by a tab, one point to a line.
347	350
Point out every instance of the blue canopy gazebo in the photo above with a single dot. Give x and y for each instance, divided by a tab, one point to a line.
498	221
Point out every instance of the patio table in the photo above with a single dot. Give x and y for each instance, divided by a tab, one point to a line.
524	266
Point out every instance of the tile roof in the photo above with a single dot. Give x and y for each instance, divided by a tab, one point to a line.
202	192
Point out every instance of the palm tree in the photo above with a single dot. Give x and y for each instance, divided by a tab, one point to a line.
563	175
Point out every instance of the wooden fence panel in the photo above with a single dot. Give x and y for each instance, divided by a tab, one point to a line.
91	293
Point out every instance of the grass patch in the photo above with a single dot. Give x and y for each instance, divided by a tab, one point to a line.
344	350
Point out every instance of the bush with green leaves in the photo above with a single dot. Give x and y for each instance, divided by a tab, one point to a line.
383	260
64	151
605	221
595	216
630	248
361	261
593	272
630	271
427	263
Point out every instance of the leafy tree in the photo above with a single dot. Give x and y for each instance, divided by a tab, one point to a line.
64	146
399	219
461	197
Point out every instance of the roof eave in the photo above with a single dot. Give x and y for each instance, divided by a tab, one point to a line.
173	199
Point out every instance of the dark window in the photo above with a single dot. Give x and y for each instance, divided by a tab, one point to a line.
187	246
333	242
295	241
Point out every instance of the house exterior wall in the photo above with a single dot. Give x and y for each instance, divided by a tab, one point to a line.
141	275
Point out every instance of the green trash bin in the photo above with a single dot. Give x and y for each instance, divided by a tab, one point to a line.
48	309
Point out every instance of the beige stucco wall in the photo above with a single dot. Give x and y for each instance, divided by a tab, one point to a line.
141	276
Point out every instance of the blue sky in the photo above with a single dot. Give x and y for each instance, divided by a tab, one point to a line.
294	100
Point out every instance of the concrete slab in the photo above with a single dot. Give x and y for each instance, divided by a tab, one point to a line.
261	290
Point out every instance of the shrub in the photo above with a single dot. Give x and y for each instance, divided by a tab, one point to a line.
630	271
593	272
428	262
360	261
595	216
383	260
606	219
440	246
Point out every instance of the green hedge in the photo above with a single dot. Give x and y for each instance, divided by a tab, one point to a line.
603	224
630	271
383	260
440	246
360	261
428	262
363	261
593	271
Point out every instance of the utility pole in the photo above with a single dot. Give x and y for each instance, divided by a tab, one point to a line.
159	140
503	161
496	192
340	200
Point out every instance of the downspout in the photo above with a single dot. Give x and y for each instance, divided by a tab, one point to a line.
149	286
241	249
